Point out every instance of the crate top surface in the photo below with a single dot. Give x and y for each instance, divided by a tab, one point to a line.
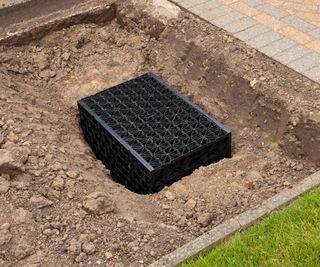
153	121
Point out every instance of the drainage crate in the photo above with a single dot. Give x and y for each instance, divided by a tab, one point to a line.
150	136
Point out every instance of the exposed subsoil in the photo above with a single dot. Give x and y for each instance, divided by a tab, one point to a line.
58	203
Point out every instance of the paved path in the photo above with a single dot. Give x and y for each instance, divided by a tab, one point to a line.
287	31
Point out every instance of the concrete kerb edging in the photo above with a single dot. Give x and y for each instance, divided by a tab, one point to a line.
215	236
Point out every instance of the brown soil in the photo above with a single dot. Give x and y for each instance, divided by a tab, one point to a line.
59	205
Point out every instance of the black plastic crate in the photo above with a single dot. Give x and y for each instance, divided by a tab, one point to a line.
150	136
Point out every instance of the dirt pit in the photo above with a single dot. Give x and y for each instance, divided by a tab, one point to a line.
59	205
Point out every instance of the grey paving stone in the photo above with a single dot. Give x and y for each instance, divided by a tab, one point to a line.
315	33
205	6
191	3
299	24
277	46
227	18
252	32
292	54
264	39
306	62
272	11
313	74
240	25
253	3
212	14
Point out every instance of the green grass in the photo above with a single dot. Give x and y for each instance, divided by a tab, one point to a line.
287	238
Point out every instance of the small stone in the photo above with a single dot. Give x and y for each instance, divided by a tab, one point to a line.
56	231
56	166
20	185
182	221
286	183
74	247
37	173
108	255
98	203
40	202
135	248
47	232
83	238
72	174
47	73
12	138
53	194
4	185
22	250
299	167
58	183
205	219
81	257
70	184
13	159
170	195
88	248
190	204
22	216
5	236
253	82
5	226
70	194
34	260
65	56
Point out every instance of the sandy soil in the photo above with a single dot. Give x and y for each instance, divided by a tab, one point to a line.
59	205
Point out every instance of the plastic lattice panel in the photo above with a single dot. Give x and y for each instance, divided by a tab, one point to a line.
149	135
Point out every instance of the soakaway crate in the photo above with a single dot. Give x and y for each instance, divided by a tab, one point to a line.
150	136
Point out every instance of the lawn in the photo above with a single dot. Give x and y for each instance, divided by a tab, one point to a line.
290	237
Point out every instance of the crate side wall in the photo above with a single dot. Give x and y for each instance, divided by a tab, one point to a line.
125	168
185	166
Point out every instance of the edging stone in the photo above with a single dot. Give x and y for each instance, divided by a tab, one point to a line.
219	233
